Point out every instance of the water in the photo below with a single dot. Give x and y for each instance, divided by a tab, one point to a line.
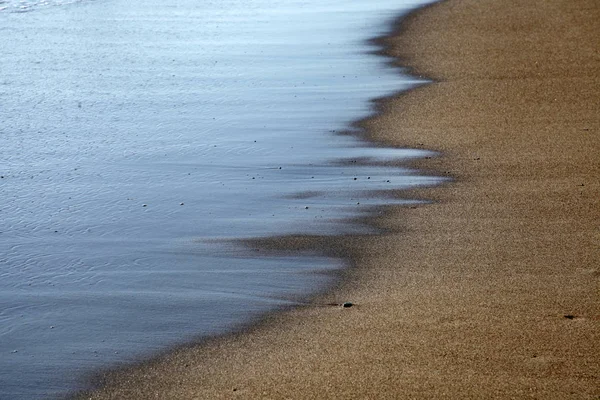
135	137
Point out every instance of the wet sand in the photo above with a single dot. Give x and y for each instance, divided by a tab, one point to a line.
491	291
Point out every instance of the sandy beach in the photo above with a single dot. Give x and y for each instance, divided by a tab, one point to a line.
490	291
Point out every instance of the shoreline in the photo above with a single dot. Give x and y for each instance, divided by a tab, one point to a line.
490	291
132	225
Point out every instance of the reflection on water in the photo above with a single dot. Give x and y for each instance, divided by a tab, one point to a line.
134	134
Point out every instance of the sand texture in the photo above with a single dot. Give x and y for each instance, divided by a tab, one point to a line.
491	291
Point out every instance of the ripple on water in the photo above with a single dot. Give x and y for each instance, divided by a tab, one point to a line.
127	163
22	6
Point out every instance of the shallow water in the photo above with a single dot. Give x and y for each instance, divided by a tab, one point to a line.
134	134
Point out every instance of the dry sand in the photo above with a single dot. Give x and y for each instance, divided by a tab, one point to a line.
492	291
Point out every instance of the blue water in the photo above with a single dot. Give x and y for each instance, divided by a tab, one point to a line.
137	138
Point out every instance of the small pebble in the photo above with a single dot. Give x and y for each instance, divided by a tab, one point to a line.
347	304
144	205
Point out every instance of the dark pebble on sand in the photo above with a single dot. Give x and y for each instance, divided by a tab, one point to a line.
347	304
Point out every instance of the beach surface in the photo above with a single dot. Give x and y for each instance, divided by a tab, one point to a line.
490	291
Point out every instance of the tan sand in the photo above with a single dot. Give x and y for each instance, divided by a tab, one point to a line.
490	292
